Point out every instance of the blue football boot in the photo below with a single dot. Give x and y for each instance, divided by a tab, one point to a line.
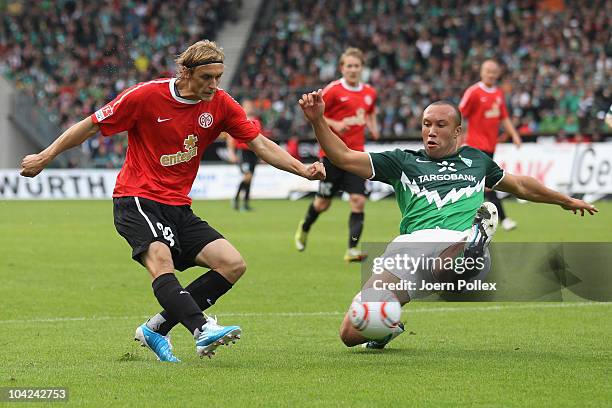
157	343
213	335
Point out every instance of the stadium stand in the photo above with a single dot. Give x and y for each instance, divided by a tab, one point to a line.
93	50
557	72
556	81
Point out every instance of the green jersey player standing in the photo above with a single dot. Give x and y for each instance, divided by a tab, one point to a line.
439	190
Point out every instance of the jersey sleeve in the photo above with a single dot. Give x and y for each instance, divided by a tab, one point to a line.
328	95
257	124
121	113
494	173
236	123
386	166
466	104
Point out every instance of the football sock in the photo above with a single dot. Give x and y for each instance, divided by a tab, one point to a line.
205	291
247	191
311	217
178	302
240	188
492	197
355	228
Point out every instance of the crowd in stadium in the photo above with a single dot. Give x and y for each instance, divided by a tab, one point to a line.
556	75
556	72
91	51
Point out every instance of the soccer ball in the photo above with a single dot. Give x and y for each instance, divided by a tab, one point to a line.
375	313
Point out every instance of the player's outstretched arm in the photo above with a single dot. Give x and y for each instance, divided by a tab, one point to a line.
33	164
350	160
509	127
530	189
338	125
274	155
372	124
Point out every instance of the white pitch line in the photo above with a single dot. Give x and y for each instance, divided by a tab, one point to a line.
409	310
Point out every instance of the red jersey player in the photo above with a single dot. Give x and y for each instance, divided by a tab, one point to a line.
169	123
350	107
484	107
246	159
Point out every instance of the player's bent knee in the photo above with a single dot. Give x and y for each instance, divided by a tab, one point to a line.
357	203
321	205
357	208
349	336
233	269
344	335
239	268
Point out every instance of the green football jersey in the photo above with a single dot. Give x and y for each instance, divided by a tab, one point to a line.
436	193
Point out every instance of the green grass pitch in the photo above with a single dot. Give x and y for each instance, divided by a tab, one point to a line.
71	297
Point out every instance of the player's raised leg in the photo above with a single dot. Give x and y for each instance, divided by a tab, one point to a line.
475	247
507	223
482	231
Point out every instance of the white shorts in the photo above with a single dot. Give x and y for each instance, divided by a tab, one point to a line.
434	235
427	245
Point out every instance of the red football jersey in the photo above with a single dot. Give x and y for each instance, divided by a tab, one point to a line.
167	135
242	145
484	108
352	105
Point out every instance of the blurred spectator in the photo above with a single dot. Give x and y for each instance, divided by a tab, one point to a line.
552	122
571	124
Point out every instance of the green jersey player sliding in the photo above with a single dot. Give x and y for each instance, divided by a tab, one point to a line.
439	190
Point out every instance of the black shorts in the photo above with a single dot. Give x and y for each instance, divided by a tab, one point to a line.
247	161
337	179
142	221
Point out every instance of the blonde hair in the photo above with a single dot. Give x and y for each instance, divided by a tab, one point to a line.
352	52
199	53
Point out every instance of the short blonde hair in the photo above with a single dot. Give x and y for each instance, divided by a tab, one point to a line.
199	53
352	52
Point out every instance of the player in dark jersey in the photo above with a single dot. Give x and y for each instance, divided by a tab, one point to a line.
350	107
240	153
484	106
439	190
169	123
